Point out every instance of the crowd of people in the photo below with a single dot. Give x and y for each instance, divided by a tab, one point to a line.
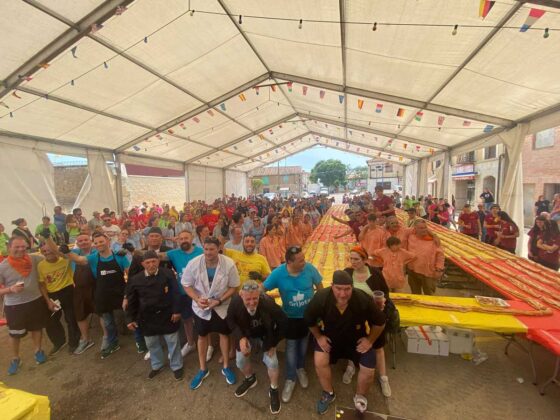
195	279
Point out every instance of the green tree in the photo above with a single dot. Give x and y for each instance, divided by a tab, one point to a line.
256	184
331	172
361	172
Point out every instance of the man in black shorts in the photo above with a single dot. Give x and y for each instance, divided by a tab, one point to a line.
211	280
337	318
26	302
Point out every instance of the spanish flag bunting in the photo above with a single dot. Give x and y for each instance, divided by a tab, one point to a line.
182	125
321	94
304	89
418	116
488	128
341	98
223	106
534	15
14	94
290	85
196	120
44	65
170	131
440	120
210	112
360	103
485	7
466	123
242	97
400	112
378	108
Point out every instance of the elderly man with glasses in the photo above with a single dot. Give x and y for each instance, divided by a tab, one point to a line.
256	323
295	281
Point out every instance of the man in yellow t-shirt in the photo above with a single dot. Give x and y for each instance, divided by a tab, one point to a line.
56	276
250	264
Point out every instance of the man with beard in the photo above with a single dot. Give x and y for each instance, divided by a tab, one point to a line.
109	270
153	305
180	258
250	264
154	242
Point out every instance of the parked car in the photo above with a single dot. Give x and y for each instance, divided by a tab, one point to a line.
269	195
324	191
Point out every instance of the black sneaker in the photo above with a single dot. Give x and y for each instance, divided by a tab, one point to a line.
246	385
57	349
274	400
110	350
141	348
178	374
153	373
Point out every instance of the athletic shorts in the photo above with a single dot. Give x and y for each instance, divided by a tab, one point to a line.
186	307
215	325
30	316
344	351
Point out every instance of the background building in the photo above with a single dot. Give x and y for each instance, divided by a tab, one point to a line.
541	169
389	175
279	179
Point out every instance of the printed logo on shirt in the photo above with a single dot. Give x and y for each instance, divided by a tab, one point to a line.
106	272
299	300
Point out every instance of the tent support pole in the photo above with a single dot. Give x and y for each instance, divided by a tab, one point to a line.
118	184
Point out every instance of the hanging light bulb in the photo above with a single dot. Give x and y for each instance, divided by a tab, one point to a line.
546	34
374	27
300	24
455	30
240	20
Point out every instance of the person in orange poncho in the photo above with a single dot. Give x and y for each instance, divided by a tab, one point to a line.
272	246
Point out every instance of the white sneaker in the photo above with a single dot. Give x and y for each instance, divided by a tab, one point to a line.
209	353
288	390
302	378
348	374
147	356
385	388
360	402
187	348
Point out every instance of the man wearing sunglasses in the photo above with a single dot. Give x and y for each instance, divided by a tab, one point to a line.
256	323
295	281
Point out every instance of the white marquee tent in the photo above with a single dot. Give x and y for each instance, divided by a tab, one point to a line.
217	88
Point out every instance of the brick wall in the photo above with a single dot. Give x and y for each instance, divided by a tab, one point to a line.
153	190
68	181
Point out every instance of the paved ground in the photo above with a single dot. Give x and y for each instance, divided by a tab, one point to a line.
424	387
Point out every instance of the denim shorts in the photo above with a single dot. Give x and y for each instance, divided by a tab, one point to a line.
270	362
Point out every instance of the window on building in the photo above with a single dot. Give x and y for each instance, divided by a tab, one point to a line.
438	163
388	167
386	185
490	152
466	157
544	139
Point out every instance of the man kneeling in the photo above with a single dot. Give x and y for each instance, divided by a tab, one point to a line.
154	305
256	321
337	316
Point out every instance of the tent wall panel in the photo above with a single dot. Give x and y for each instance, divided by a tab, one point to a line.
236	183
204	183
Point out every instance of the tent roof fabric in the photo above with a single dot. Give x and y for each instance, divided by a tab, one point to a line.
239	84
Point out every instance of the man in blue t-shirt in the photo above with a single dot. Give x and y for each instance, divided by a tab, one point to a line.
295	281
109	270
180	258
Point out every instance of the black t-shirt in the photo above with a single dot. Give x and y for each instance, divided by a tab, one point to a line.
344	328
488	197
542	206
257	328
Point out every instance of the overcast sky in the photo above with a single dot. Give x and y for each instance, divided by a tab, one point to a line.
308	158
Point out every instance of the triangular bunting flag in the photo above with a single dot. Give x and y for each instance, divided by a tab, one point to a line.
290	85
378	108
44	65
273	87
223	106
321	94
159	137
210	112
73	51
485	7
400	112
256	90
534	15
360	103
488	128
242	97
170	131
304	89
405	146
466	123
136	148
196	120
418	116
182	125
440	120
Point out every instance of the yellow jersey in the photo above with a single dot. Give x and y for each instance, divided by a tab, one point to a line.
246	263
56	275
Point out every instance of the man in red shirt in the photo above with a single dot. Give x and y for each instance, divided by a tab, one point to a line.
384	205
210	220
469	222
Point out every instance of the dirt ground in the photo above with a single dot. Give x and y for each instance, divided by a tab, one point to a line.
424	387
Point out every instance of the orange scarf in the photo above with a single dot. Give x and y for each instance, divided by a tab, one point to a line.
21	265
